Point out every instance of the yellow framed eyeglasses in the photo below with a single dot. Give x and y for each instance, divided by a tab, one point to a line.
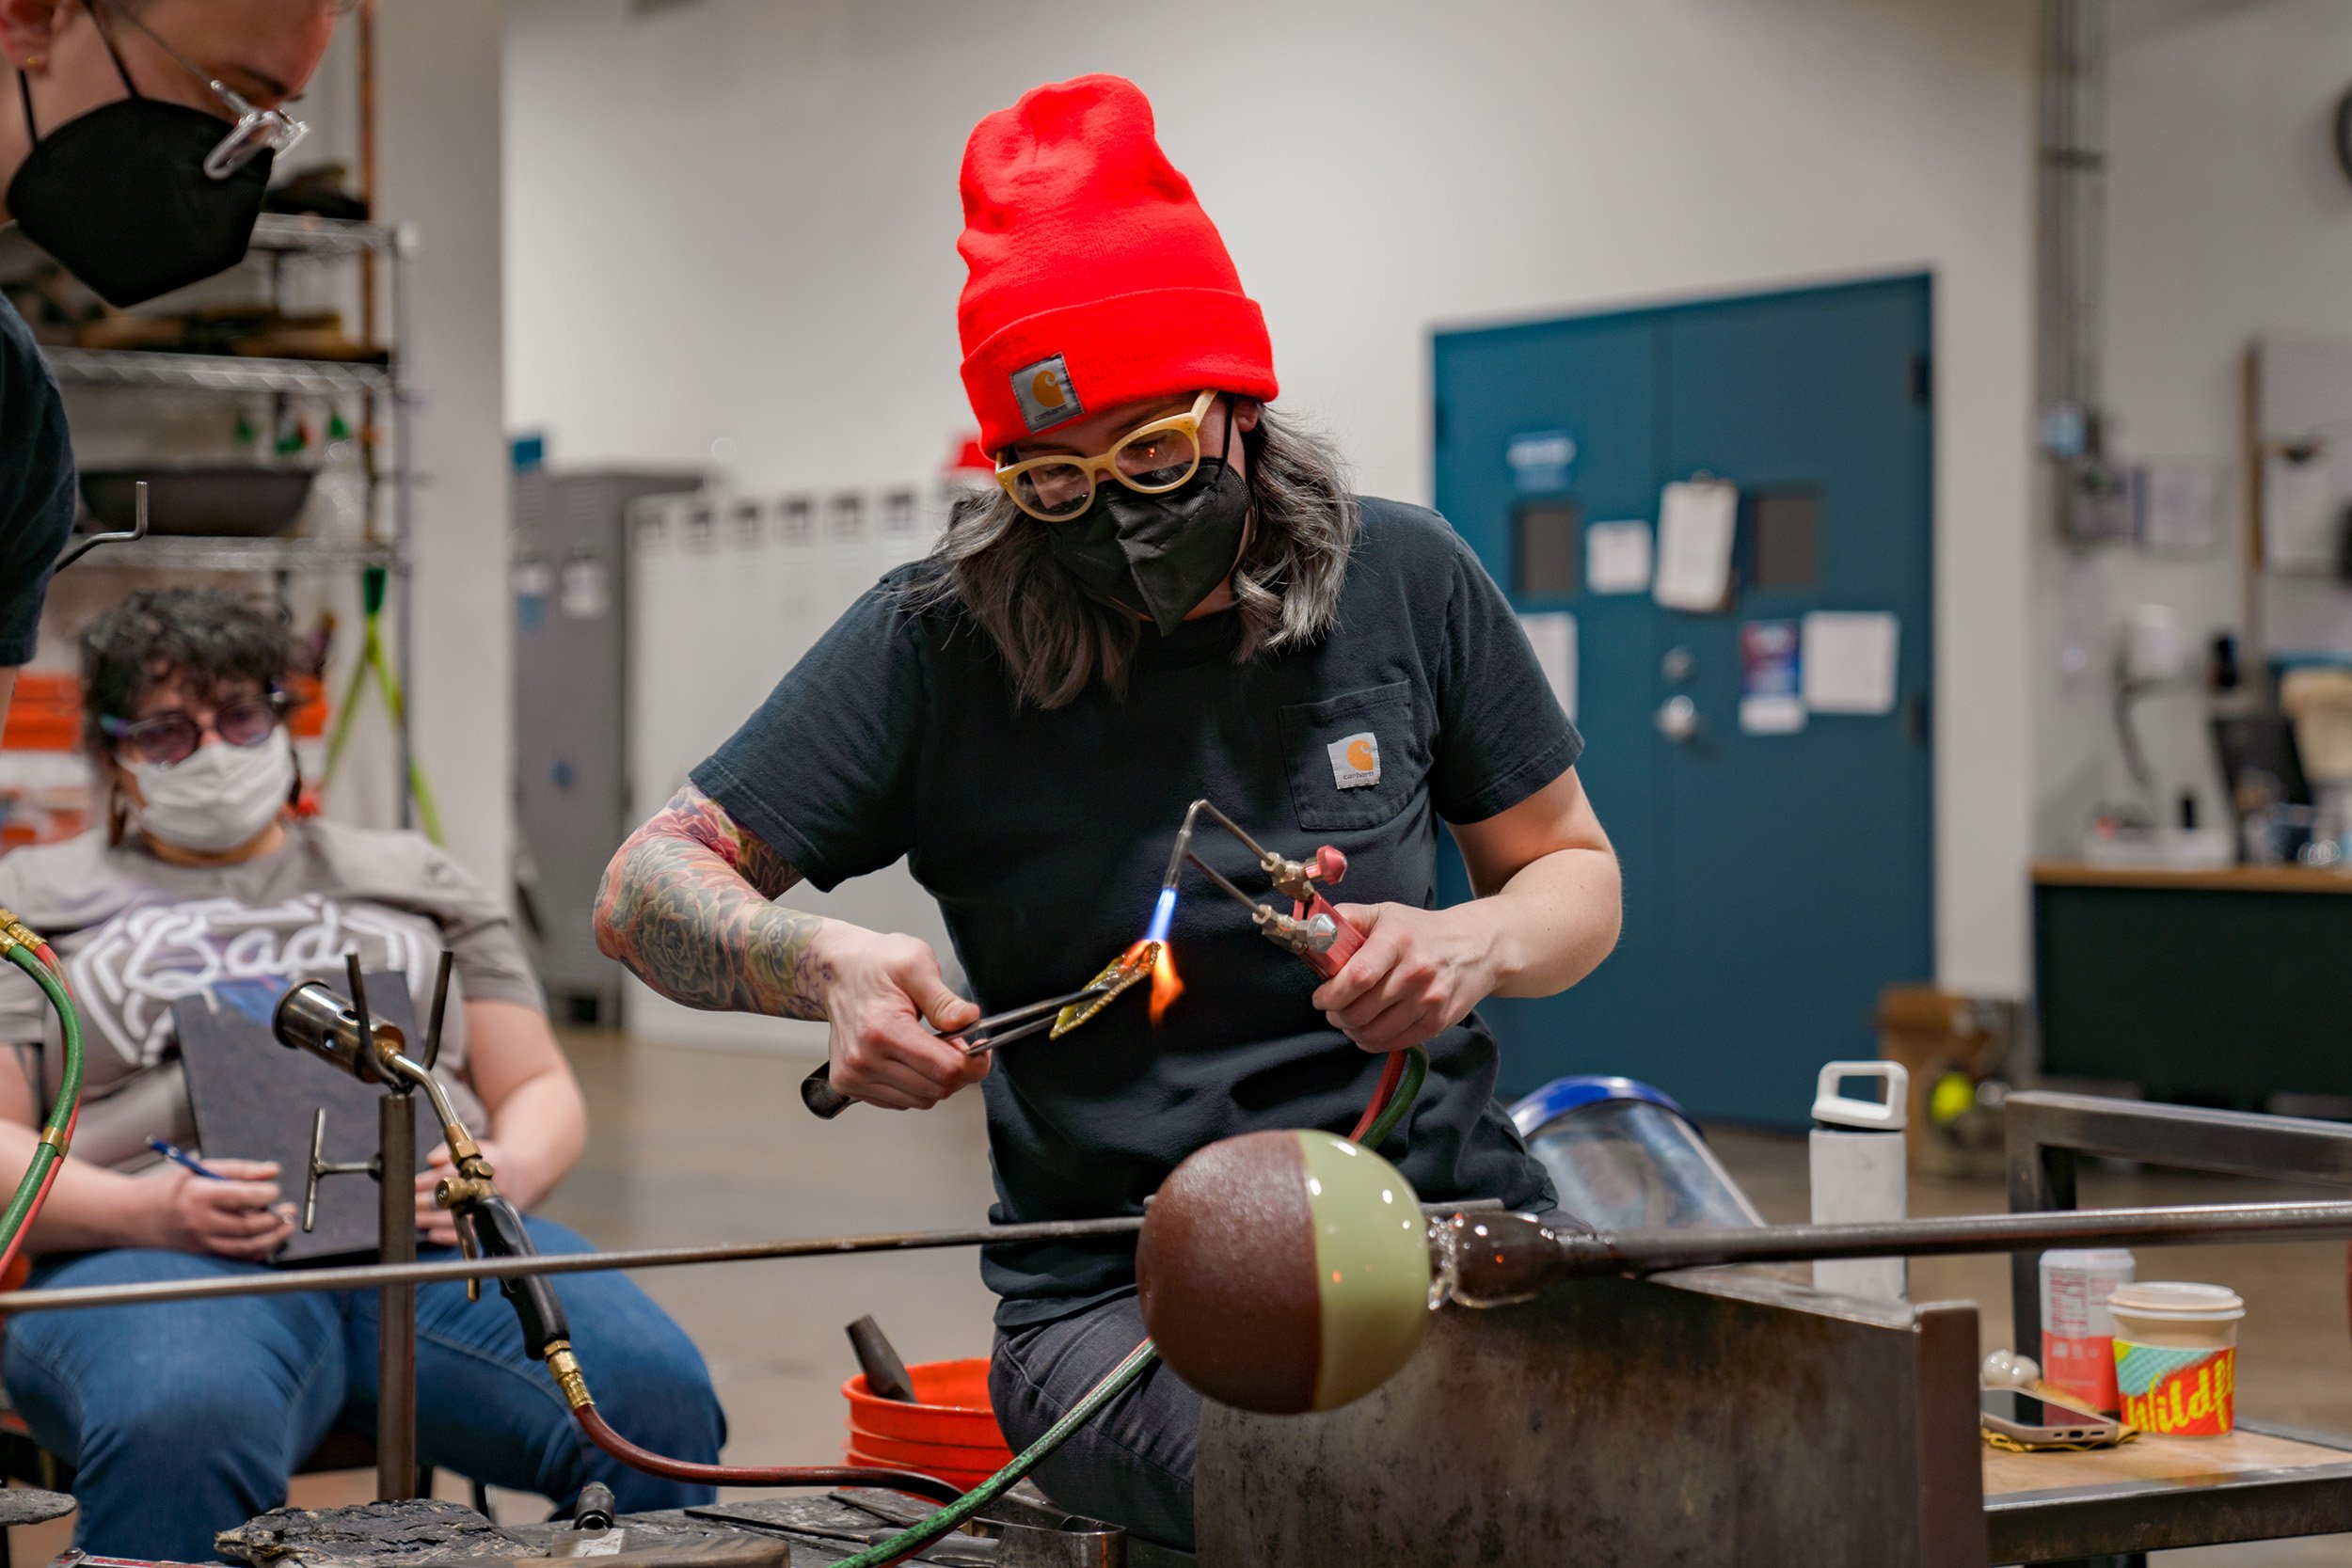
1152	459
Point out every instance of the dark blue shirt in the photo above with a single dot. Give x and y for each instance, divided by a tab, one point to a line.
1043	835
36	485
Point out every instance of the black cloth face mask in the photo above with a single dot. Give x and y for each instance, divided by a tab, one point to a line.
120	196
1159	556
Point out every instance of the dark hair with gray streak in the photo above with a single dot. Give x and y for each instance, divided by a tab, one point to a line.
1058	638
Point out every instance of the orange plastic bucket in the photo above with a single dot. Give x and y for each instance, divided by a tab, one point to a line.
948	1432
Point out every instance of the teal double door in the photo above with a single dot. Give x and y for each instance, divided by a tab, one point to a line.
1775	877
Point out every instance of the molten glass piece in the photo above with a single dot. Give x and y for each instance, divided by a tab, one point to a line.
1120	973
1284	1272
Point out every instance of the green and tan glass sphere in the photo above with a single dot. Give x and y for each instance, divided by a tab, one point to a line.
1284	1272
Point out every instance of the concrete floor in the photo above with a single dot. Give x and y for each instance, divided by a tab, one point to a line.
699	1144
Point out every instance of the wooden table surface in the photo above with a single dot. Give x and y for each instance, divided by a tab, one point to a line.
2172	1461
2221	878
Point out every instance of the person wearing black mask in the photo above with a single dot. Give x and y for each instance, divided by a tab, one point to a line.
134	147
1170	594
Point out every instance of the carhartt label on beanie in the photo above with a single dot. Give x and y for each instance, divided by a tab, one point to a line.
1045	394
1095	278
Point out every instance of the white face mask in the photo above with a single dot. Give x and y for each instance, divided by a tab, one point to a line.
219	799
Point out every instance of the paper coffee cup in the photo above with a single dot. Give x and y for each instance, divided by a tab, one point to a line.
2176	1355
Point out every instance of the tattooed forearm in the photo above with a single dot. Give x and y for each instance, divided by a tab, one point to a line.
686	904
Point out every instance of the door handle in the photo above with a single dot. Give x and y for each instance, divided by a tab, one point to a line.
1678	719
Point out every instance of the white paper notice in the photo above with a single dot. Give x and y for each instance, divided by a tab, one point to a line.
1695	520
1552	633
1848	661
2181	508
2301	503
1616	558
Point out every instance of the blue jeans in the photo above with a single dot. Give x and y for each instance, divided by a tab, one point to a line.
184	1418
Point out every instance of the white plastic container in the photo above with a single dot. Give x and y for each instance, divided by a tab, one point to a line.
2176	1355
1858	1172
2077	1333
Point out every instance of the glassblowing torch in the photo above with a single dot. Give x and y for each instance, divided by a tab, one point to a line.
312	1018
1313	929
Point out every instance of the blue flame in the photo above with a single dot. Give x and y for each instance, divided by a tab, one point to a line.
1163	915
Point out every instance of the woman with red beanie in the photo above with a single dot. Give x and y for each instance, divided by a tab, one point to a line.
1170	595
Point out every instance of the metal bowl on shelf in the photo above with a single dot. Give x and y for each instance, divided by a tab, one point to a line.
241	500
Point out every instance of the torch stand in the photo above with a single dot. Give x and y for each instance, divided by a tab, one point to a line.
393	1167
396	1473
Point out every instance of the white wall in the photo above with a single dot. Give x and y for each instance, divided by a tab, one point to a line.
2227	217
737	219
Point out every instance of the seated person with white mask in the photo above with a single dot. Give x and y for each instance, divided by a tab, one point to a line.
185	1418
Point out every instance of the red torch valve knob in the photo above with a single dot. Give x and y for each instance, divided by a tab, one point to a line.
1331	865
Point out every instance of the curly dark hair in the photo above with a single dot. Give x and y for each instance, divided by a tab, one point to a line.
208	639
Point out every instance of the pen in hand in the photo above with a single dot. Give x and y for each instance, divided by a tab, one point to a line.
181	1157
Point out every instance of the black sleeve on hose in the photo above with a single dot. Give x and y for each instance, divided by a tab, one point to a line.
500	1230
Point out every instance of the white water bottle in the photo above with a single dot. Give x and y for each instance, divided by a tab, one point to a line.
1858	1173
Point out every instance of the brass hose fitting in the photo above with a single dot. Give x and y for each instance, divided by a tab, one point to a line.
564	1367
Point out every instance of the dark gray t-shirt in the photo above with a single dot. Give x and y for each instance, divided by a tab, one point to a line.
1044	836
36	485
136	934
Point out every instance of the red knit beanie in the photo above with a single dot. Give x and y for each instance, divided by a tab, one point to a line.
1096	279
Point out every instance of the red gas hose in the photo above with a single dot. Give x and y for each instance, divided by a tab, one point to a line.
600	1432
1382	1092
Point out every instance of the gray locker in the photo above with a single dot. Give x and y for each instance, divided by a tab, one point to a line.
569	596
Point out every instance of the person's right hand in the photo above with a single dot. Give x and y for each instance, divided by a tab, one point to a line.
879	992
240	1217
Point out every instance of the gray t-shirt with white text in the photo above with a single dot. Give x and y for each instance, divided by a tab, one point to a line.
136	933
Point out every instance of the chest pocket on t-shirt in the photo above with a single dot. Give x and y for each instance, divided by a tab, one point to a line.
1356	759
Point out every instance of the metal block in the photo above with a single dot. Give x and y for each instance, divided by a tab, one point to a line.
1702	1420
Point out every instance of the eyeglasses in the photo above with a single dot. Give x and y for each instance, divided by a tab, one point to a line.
1152	459
171	737
257	131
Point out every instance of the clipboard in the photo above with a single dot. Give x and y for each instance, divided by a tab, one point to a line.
254	1099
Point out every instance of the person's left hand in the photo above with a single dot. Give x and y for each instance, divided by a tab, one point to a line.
435	1225
1419	972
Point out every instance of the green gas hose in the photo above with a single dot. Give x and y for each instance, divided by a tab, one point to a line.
29	953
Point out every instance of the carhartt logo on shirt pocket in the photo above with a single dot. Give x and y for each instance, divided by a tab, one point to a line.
1356	760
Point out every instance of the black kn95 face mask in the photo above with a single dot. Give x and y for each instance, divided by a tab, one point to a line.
120	196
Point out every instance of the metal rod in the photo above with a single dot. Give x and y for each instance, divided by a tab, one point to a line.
365	1277
359	1002
403	568
432	1052
396	1322
1222	880
1651	1251
122	536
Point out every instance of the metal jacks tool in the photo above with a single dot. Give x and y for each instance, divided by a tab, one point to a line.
1058	1014
1314	928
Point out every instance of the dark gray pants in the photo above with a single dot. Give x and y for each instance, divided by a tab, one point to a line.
1132	1465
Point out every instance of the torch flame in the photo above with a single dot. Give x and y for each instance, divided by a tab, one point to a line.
1166	987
